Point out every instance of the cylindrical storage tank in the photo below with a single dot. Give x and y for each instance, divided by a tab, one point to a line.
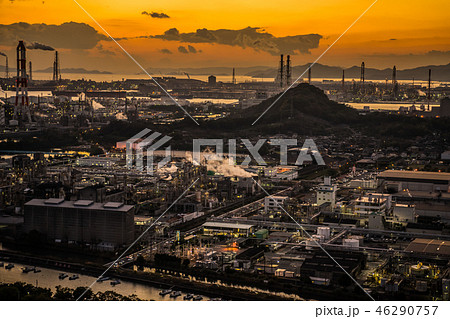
324	231
419	270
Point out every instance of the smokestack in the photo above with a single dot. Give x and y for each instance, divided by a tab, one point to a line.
30	73
343	80
288	71
21	107
394	81
429	88
6	64
234	77
363	70
309	74
56	75
281	70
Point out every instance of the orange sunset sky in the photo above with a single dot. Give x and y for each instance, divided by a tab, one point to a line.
408	33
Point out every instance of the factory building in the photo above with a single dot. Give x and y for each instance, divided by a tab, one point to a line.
415	181
274	203
105	162
326	193
372	203
100	226
423	246
227	229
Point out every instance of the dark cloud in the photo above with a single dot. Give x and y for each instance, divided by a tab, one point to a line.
104	51
182	49
189	49
39	46
192	49
249	37
156	15
69	35
165	51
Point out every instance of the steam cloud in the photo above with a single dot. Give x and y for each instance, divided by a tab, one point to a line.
249	37
156	15
219	165
39	46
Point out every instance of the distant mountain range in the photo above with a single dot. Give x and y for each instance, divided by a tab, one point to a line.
12	71
73	70
438	72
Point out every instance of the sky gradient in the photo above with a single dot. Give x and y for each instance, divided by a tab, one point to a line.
405	33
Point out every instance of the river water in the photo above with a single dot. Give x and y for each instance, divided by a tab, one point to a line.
48	278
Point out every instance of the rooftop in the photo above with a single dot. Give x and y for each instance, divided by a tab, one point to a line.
227	225
429	246
415	175
79	204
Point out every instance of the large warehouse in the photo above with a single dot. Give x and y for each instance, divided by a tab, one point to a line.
101	225
416	181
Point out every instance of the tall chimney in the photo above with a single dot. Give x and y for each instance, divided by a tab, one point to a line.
394	81
21	107
288	71
429	88
30	73
363	71
56	75
6	68
281	71
309	74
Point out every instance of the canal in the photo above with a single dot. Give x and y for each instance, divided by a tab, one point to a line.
48	278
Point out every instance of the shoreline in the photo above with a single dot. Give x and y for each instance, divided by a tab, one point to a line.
156	281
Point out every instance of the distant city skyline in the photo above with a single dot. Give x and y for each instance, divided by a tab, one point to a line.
177	34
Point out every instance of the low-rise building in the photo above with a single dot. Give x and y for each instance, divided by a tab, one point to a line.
372	203
274	203
227	229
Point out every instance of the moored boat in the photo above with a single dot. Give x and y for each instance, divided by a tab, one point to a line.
115	282
175	294
63	276
74	277
165	292
188	297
